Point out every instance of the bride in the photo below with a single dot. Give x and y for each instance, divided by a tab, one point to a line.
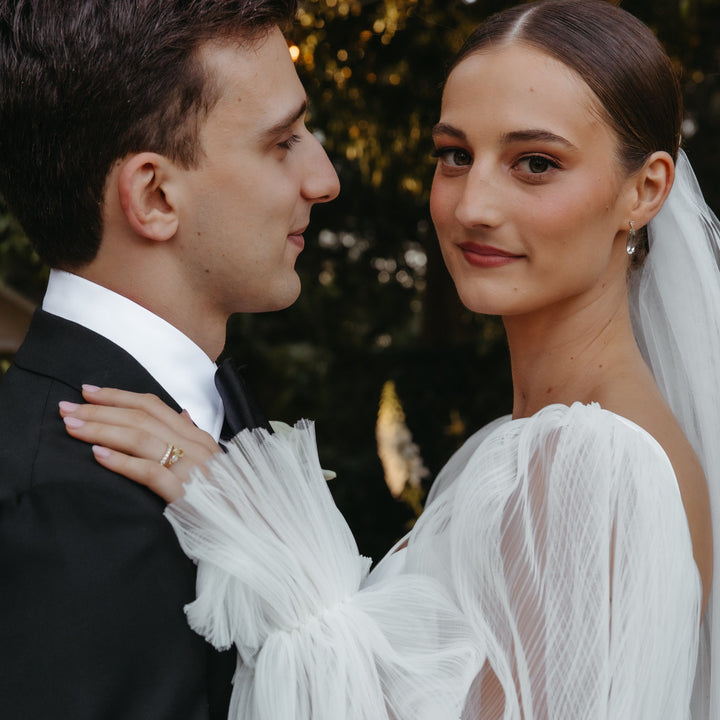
563	566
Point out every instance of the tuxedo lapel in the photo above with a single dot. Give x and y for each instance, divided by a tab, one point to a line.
74	355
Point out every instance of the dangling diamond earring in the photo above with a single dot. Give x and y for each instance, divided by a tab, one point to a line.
631	246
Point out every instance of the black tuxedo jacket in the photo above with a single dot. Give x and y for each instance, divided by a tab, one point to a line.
92	579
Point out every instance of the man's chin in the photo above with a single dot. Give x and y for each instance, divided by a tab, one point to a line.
280	301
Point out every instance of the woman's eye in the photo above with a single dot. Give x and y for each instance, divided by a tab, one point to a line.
536	164
454	157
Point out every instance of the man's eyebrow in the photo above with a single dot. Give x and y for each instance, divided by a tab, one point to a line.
287	122
445	129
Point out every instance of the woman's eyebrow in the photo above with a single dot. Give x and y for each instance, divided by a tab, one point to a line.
531	134
535	134
445	129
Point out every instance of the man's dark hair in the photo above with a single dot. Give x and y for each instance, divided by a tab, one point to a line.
84	83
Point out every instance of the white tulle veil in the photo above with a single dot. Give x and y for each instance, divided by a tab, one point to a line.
675	305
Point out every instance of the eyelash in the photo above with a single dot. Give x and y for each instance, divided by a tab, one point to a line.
290	143
442	152
551	164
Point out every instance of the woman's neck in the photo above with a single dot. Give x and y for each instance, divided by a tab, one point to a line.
575	353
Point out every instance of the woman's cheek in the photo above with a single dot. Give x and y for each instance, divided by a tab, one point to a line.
442	204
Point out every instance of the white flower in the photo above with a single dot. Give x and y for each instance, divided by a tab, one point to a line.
279	426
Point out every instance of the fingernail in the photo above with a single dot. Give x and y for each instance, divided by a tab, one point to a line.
68	406
100	451
90	388
73	422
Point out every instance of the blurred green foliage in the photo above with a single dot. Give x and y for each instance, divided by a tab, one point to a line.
377	303
20	266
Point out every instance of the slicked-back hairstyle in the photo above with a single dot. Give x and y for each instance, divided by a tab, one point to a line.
617	56
84	83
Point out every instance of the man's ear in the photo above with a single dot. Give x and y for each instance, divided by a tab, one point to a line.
142	189
653	184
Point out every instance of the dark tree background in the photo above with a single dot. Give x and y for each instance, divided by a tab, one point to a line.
377	304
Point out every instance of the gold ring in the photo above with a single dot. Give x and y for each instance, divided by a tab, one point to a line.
171	456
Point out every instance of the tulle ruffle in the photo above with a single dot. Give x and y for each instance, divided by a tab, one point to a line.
280	576
556	547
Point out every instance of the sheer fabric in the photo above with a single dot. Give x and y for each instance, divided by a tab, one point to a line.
280	577
570	555
558	549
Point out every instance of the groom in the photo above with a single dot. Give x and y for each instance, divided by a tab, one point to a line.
156	154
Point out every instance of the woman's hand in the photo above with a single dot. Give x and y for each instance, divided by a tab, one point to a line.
133	433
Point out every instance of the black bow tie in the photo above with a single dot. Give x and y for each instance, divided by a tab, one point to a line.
242	410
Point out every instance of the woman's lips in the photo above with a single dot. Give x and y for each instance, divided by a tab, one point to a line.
486	256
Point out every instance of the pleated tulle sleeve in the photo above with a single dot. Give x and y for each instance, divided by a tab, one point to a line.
280	577
565	542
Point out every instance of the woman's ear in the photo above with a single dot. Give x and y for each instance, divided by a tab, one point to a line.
653	184
142	189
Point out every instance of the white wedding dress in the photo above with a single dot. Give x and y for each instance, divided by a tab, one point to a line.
554	554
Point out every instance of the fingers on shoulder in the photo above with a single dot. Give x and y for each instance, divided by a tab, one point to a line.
146	412
152	474
147	403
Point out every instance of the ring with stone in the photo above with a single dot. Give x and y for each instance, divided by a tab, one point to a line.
171	456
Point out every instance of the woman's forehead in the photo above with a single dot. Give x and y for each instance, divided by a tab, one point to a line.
514	79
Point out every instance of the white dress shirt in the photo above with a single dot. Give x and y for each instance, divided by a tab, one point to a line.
175	361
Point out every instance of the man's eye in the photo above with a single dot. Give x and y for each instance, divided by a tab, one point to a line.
289	143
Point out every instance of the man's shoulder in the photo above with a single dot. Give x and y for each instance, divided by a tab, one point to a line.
57	357
31	429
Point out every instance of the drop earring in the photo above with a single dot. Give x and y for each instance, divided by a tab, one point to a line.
631	246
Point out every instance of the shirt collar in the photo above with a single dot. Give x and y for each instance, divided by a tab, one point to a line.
174	360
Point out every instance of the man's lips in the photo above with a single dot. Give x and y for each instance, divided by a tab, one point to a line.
296	237
486	255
